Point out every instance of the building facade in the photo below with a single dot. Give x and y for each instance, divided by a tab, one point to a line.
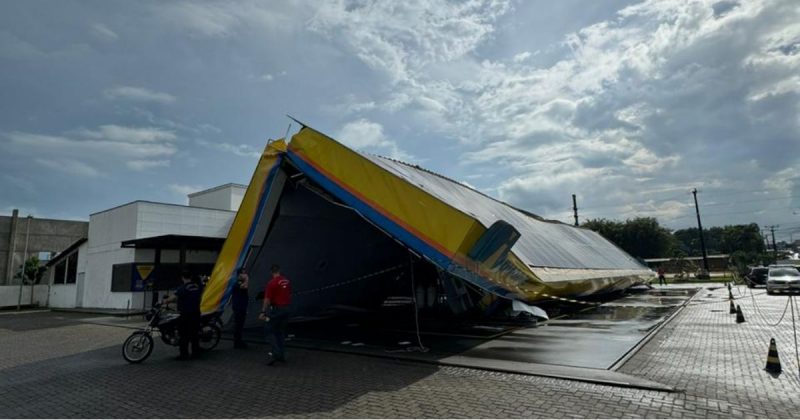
24	237
135	251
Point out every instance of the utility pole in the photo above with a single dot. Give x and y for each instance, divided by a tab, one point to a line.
24	260
575	209
700	228
774	247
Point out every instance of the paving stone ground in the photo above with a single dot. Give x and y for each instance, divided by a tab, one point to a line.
53	365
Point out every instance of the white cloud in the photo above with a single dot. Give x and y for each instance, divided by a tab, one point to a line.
14	47
220	20
138	94
144	165
91	153
367	135
119	133
519	58
98	149
103	32
244	150
69	166
184	190
637	102
401	38
787	180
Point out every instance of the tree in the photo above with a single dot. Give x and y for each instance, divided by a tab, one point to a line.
33	271
746	238
726	240
641	237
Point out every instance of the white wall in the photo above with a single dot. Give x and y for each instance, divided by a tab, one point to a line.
62	295
9	295
237	194
161	219
107	231
228	197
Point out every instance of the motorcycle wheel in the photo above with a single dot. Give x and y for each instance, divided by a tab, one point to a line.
137	347
209	337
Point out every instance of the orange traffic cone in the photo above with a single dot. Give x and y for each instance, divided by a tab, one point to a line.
733	308
739	315
773	361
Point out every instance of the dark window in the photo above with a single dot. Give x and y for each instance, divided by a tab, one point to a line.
121	277
61	270
72	267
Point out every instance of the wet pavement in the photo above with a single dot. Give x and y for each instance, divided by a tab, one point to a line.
56	368
595	337
582	343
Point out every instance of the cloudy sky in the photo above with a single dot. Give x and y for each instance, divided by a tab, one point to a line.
628	104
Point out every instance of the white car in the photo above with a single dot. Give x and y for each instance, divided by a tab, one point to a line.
783	279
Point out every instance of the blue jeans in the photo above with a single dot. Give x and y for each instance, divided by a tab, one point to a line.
276	330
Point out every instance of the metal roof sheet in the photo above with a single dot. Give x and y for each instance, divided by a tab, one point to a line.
542	243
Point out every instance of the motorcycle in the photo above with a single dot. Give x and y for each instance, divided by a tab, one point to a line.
139	344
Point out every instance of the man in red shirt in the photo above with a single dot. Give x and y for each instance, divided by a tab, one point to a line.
275	310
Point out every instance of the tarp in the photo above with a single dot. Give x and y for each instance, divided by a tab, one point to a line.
472	236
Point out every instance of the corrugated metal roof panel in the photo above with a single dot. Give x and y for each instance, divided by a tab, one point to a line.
542	244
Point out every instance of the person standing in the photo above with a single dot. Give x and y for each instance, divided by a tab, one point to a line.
239	302
188	297
662	280
275	311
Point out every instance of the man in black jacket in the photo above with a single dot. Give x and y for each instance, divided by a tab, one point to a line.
188	297
239	301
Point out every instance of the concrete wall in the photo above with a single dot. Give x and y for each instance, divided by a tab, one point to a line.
9	295
43	235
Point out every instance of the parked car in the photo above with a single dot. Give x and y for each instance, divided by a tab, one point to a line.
783	279
756	277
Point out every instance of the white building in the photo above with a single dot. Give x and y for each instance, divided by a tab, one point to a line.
142	244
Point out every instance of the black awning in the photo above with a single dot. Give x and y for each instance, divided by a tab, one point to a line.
203	243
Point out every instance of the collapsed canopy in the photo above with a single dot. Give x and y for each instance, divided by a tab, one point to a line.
483	241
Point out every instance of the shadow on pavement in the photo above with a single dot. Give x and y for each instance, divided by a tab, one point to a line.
224	383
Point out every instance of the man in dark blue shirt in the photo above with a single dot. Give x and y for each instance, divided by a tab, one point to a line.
188	296
239	301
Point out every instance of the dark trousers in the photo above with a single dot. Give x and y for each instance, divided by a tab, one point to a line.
238	325
188	329
276	331
662	280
